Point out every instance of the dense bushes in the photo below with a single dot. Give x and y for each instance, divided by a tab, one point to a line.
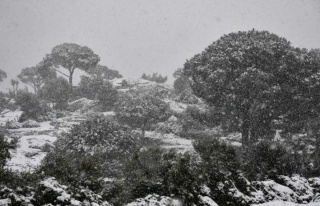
141	110
267	159
30	105
98	89
5	146
92	150
56	91
155	77
164	173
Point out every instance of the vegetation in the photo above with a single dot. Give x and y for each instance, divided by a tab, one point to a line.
252	82
155	77
254	78
139	111
36	77
56	91
30	105
103	72
3	75
72	56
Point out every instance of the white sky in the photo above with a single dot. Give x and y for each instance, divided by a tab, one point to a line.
144	36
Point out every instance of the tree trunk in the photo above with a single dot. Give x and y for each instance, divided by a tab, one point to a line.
245	127
70	83
143	129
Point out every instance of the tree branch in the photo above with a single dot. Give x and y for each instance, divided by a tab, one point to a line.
61	72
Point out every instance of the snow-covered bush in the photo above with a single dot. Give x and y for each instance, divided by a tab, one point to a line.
13	125
187	98
155	200
157	90
220	171
92	150
30	124
140	111
50	191
168	127
30	105
154	171
5	146
267	159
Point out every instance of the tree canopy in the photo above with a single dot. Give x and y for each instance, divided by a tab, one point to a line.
155	77
141	110
36	76
72	56
103	72
250	77
3	75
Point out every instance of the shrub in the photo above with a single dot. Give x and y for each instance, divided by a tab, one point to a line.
5	146
30	105
220	171
155	77
56	91
107	96
266	159
140	111
187	98
77	171
92	150
97	88
164	173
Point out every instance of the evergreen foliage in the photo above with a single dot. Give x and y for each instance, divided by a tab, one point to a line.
155	77
3	75
56	91
141	110
72	56
253	78
30	105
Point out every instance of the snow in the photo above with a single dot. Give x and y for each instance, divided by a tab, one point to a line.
4	202
44	126
177	107
130	81
7	115
28	155
171	141
283	203
155	200
208	201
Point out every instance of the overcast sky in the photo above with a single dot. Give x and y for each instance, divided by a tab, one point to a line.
144	36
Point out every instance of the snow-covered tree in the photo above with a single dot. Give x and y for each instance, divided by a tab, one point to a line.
250	77
72	56
36	76
141	110
155	77
103	72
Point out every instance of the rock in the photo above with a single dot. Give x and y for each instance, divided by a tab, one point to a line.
30	124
